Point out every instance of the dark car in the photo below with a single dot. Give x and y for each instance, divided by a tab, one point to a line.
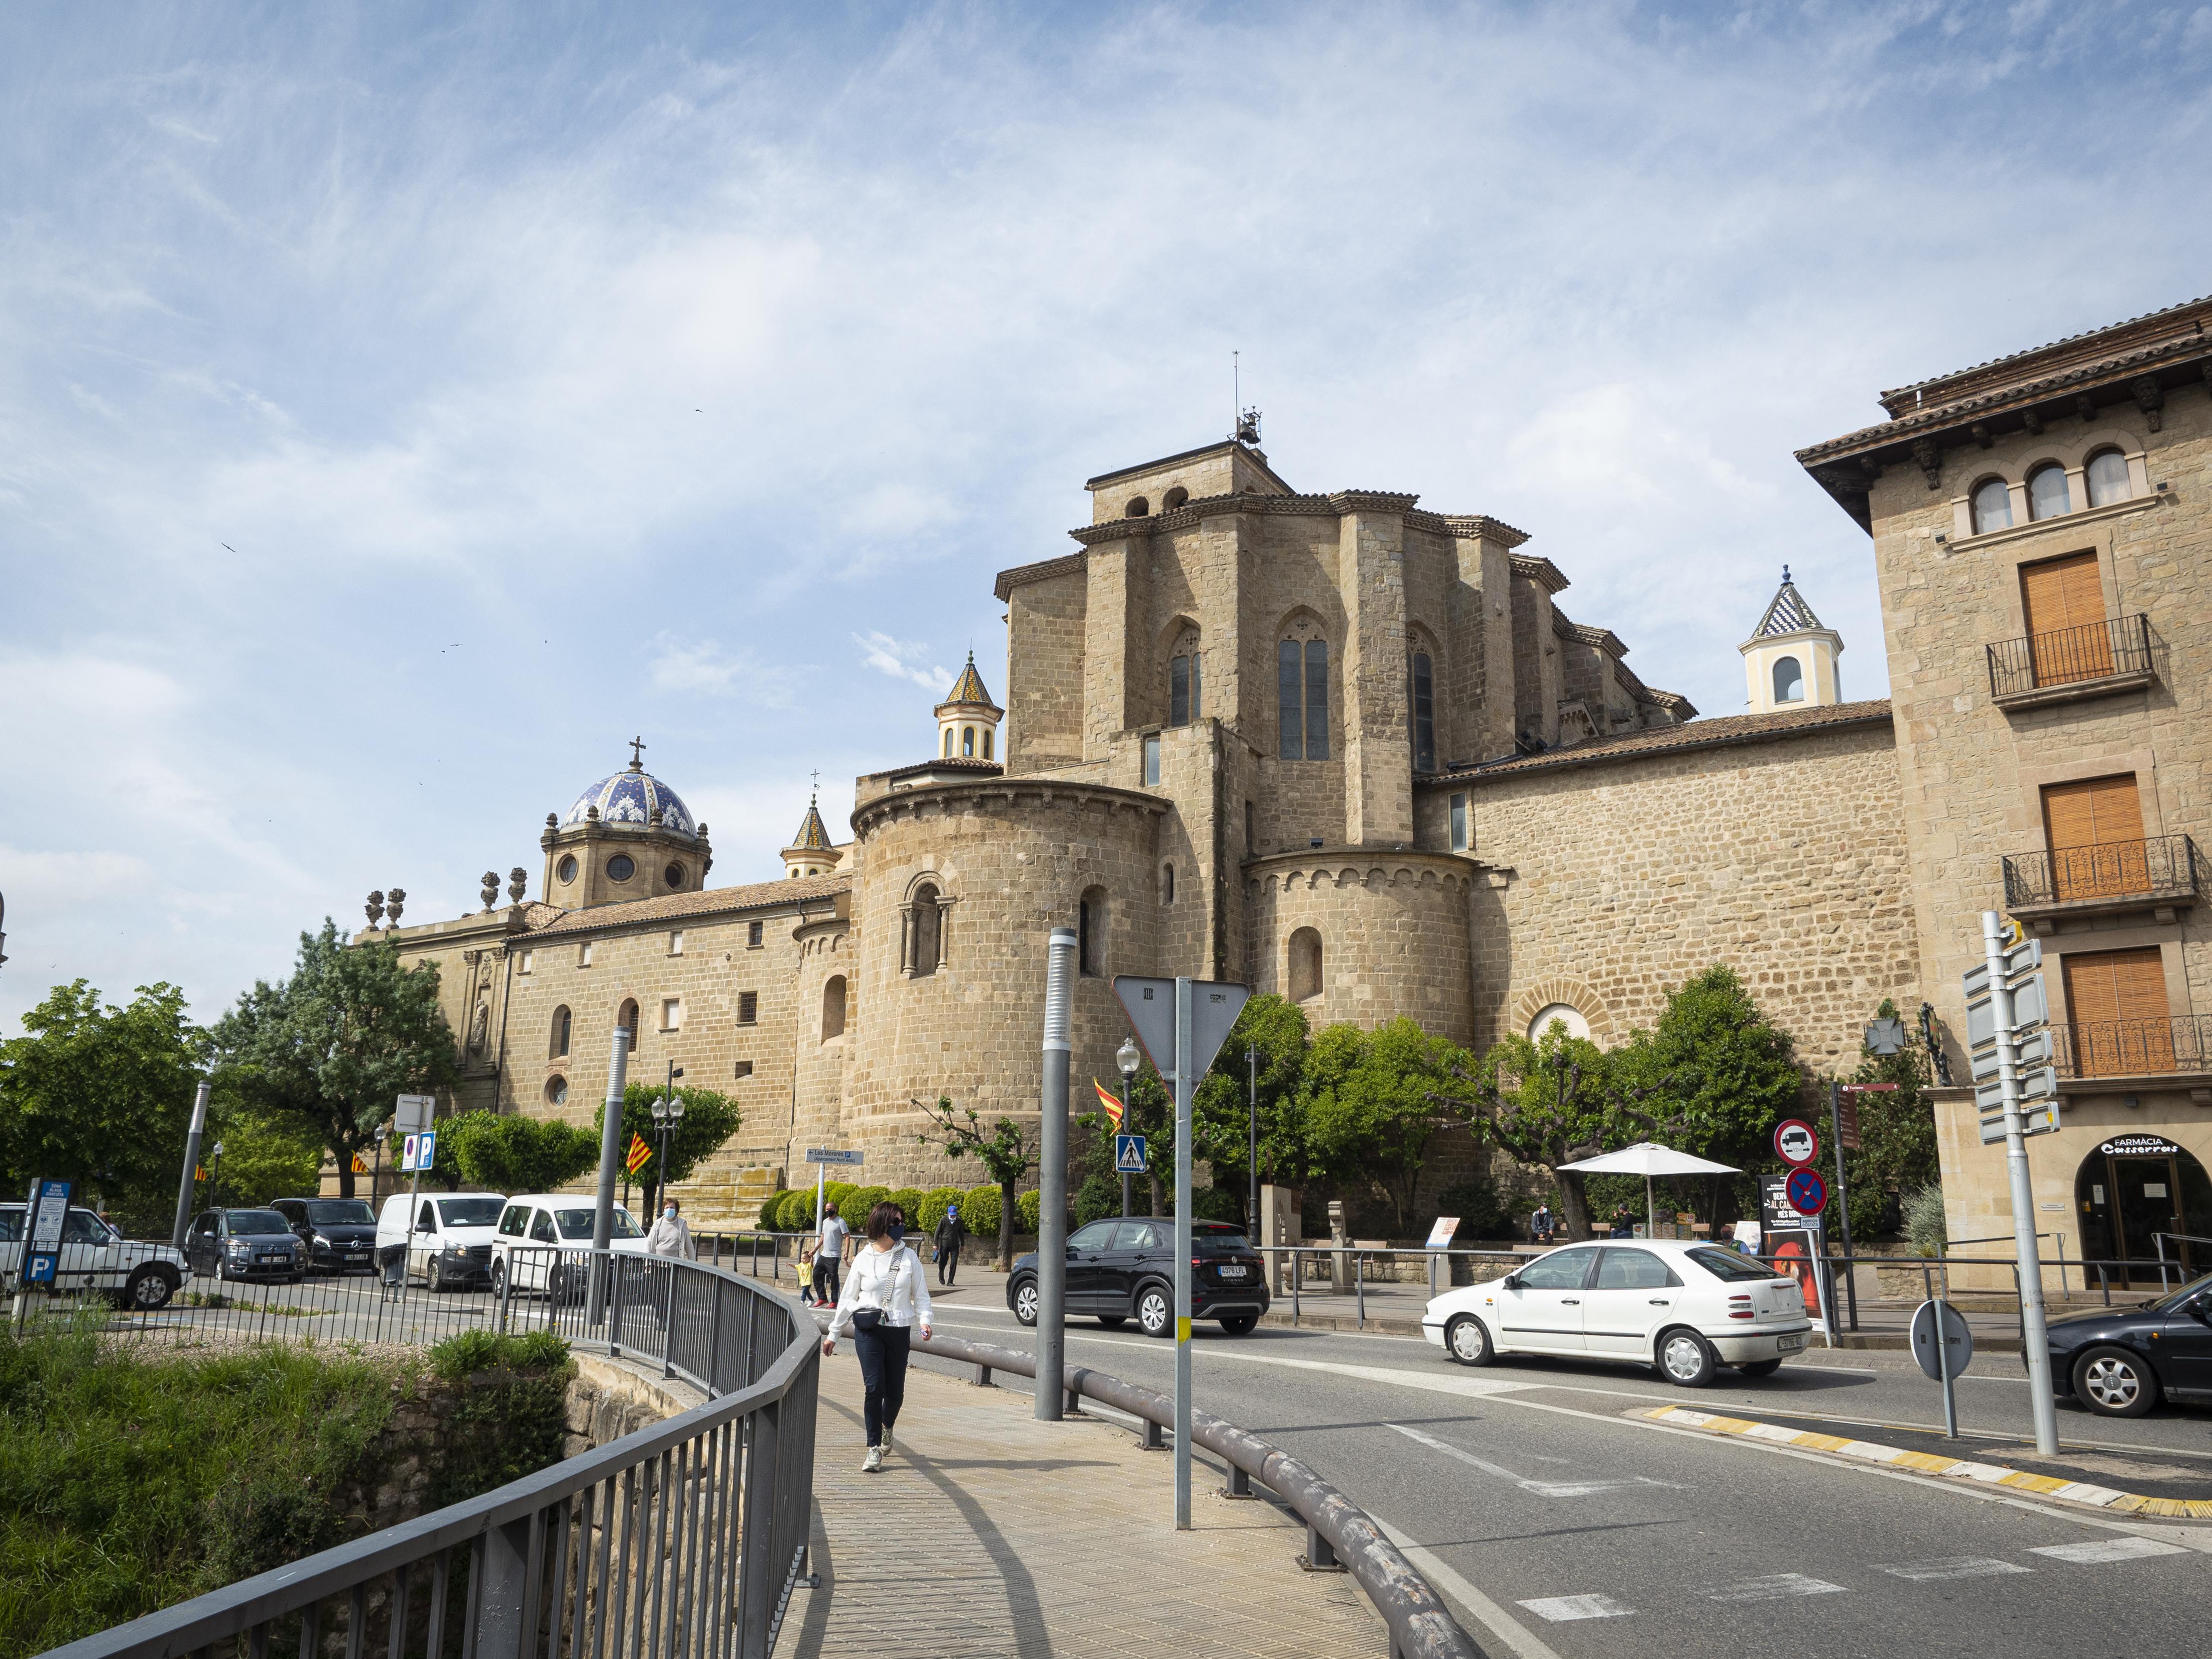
2117	1361
1118	1270
340	1233
244	1245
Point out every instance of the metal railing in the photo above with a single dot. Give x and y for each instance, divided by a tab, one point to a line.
1338	1533
2163	867
683	1540
2073	656
2134	1047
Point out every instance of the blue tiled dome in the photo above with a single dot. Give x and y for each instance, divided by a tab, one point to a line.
629	797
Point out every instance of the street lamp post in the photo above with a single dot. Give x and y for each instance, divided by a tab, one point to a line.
1252	1075
215	1178
667	1114
1128	1059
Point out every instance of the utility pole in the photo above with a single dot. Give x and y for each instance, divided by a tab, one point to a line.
1128	1059
1052	1178
192	1166
1252	1078
2034	1333
603	1213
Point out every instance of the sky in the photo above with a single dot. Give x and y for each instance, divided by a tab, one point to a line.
402	407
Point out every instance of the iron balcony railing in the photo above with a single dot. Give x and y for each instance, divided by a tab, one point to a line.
683	1540
2162	868
2134	1047
2072	656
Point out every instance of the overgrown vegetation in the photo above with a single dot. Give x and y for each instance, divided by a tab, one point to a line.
512	1415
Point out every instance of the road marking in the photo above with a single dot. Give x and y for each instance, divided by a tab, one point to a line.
1775	1587
1541	1488
2108	1549
1560	1609
1524	1641
1954	1566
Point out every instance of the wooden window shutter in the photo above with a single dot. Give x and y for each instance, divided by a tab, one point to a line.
2116	1007
2095	833
2063	600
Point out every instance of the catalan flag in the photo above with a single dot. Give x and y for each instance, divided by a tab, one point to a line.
360	1167
1109	1102
639	1155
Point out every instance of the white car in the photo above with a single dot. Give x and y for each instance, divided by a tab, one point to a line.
543	1240
1684	1307
95	1257
449	1243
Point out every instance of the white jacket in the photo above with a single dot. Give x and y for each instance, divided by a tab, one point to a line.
671	1237
890	1279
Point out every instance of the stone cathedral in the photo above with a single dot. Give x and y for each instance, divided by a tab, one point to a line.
1355	751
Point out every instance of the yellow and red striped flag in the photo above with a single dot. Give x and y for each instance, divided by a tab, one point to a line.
359	1166
639	1155
1109	1103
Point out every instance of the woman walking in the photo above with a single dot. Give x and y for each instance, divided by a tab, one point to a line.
886	1295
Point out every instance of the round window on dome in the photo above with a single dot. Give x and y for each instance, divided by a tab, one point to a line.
674	875
620	867
566	868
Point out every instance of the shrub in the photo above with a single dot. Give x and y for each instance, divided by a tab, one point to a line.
980	1210
507	1152
795	1212
1029	1213
771	1207
837	1192
1925	1230
909	1199
1099	1197
935	1202
857	1203
470	1351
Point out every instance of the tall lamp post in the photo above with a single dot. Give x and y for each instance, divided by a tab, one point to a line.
1128	1059
214	1177
1252	1077
667	1113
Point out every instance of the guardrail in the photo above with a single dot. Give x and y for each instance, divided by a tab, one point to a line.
683	1540
1337	1531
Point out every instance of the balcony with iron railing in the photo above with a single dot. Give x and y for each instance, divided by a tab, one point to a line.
2093	660
2160	874
2178	1046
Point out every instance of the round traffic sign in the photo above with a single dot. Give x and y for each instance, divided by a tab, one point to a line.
1807	1192
1795	1141
1957	1337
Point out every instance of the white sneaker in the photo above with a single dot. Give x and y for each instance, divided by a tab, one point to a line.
873	1460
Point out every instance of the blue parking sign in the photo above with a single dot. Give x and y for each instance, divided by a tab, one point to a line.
1129	1155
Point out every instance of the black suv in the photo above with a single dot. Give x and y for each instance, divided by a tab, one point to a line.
1118	1270
340	1233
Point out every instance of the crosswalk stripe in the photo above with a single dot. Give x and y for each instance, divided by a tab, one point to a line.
2108	1549
1774	1586
1954	1566
1559	1609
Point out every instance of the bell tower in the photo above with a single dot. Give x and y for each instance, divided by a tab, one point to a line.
1789	660
968	720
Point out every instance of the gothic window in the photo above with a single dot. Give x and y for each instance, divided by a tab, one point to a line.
2047	494
628	1020
1251	835
833	1008
1152	758
1301	689
1305	965
1090	933
1992	506
557	1048
1424	709
925	931
2108	478
1459	824
1788	681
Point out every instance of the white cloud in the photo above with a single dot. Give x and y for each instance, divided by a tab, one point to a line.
902	661
704	667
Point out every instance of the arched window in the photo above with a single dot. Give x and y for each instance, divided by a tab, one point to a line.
1174	499
1424	710
948	743
1301	691
1167	884
1788	681
1137	509
928	926
987	743
1305	965
833	1007
968	743
1567	1015
1090	933
628	1020
2047	494
556	1047
2108	478
1992	506
1185	694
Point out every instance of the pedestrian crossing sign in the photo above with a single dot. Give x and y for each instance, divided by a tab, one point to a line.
1129	1155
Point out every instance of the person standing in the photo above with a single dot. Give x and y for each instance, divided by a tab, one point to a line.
885	1297
951	1231
829	1254
672	1234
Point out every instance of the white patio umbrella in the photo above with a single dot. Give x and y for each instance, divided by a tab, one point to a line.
1649	1158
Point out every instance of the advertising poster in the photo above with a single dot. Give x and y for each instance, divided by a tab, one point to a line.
1795	1251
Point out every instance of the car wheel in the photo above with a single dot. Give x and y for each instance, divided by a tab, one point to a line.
1760	1367
1467	1339
1025	1302
1685	1359
1155	1312
1113	1322
499	1279
147	1290
2114	1383
1238	1324
434	1277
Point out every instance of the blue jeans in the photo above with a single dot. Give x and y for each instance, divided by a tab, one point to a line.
882	1353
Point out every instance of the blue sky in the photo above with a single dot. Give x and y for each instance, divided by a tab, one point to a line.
399	407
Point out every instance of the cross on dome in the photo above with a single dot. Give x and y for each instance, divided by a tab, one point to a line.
637	745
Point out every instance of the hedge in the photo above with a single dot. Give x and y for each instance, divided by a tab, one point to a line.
980	1210
909	1199
857	1203
935	1202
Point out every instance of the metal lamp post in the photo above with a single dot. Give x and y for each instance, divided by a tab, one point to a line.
214	1177
667	1114
1128	1059
1252	1077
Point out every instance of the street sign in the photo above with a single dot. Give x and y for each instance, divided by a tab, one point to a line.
1958	1338
419	1151
1129	1155
2020	960
2028	1048
822	1155
1440	1235
2030	1006
1150	1004
1847	1120
1807	1192
413	1113
42	1239
1795	1142
2039	1119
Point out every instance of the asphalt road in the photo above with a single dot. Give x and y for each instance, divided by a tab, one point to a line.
1558	1524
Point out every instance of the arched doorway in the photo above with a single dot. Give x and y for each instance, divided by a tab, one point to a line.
2140	1197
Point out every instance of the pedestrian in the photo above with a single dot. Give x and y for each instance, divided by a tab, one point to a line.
1540	1225
884	1298
672	1234
1624	1222
829	1254
950	1233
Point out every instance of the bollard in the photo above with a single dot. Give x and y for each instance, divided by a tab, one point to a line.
1297	1273
1359	1288
1240	1484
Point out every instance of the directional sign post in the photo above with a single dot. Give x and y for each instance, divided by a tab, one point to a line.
1180	1025
1129	1155
824	1156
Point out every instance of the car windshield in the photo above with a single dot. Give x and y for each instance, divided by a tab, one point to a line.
471	1212
577	1224
2172	1303
1732	1265
341	1212
258	1221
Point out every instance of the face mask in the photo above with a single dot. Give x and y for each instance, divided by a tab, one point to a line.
670	1213
898	1232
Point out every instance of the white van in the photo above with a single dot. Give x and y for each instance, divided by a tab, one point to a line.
450	1244
537	1232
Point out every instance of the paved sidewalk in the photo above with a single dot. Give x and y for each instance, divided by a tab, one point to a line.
990	1533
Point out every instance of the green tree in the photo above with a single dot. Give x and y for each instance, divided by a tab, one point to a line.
1897	1134
1374	1101
263	1157
102	1096
709	1120
507	1153
1005	1155
334	1046
1222	1107
1548	1102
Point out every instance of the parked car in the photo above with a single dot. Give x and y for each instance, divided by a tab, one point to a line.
340	1233
2119	1361
543	1241
1683	1307
450	1242
1118	1270
95	1257
244	1245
